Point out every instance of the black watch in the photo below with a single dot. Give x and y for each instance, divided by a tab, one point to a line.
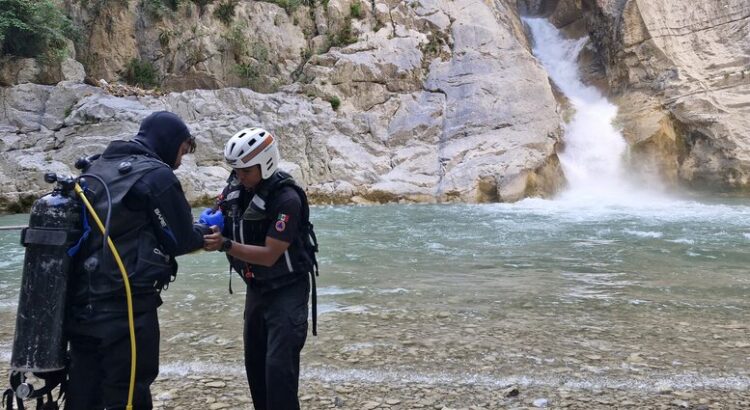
226	245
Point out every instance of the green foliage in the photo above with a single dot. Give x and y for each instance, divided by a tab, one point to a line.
173	4
248	72
155	8
433	45
225	11
255	73
158	9
165	35
437	46
291	5
236	39
355	9
140	73
34	29
202	5
288	5
306	54
335	102
252	76
196	55
344	37
259	52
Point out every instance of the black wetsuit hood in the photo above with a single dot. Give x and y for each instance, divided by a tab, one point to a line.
163	132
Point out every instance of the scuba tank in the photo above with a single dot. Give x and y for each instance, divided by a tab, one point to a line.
58	227
39	347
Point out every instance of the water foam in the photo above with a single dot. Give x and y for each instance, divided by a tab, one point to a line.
392	291
648	383
400	377
643	234
682	241
593	156
657	211
335	290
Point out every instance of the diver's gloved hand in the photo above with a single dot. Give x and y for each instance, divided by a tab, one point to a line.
211	218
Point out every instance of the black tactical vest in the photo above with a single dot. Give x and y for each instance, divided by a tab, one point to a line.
96	275
249	224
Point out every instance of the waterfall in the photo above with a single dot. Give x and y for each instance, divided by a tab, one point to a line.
592	158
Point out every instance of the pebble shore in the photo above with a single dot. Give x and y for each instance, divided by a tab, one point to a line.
215	393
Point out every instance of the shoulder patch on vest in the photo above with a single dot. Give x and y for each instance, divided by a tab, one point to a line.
280	226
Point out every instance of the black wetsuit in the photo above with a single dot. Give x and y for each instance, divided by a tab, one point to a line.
151	224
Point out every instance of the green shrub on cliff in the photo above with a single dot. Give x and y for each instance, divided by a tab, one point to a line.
141	73
344	37
335	102
291	5
202	5
355	9
33	28
225	11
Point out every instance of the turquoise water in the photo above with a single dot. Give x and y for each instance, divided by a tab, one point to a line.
537	292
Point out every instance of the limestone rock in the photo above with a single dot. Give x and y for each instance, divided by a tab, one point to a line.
439	100
14	70
72	70
681	76
688	65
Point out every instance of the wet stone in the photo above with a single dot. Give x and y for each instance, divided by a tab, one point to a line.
664	389
344	389
510	391
370	405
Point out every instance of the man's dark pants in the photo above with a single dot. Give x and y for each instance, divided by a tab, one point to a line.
100	361
275	332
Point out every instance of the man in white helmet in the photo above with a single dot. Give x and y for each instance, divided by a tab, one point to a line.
262	223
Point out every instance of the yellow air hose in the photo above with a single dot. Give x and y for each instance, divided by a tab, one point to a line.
128	295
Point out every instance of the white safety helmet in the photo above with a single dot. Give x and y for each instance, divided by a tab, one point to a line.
253	146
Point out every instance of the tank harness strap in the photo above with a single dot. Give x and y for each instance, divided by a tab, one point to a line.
314	291
86	231
8	400
313	274
32	236
230	279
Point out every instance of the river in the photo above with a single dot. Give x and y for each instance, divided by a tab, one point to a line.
612	286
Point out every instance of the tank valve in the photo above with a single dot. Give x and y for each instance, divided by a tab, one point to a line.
24	391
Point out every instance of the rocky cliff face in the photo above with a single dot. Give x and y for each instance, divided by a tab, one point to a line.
680	72
439	100
429	100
